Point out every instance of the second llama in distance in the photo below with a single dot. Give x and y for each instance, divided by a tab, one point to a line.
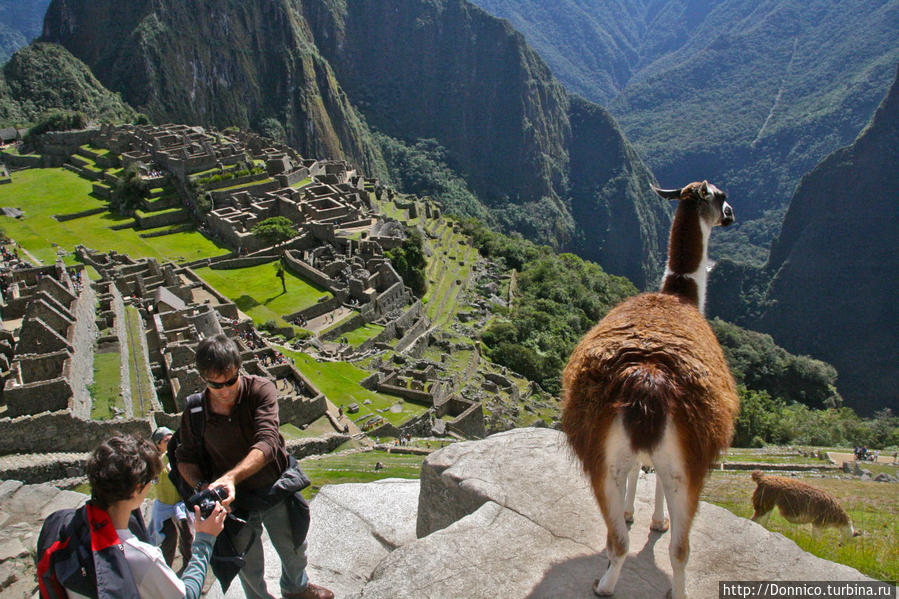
650	383
799	503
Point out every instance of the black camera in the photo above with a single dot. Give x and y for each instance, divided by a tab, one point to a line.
206	499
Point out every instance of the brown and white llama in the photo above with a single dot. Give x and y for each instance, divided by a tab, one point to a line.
799	503
650	383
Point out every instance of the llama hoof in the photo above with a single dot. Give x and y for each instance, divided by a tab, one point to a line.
628	517
659	526
601	593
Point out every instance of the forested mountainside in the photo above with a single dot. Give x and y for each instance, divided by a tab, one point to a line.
830	286
412	69
42	77
20	22
218	63
750	95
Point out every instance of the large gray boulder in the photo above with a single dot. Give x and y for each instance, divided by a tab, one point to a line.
513	516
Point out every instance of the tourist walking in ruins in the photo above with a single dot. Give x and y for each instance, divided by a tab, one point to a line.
169	524
246	458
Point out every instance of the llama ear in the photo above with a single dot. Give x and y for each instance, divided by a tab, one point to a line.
704	191
668	194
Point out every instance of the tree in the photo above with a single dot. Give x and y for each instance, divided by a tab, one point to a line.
275	231
129	190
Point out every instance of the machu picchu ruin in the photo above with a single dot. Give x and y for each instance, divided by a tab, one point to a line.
144	315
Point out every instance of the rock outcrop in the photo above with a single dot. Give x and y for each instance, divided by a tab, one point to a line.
512	516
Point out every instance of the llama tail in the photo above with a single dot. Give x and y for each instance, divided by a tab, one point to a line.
645	396
756	476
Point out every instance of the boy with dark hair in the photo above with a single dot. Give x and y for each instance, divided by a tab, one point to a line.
101	550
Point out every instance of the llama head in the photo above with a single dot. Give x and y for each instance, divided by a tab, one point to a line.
711	201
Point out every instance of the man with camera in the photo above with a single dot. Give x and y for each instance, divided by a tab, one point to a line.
247	463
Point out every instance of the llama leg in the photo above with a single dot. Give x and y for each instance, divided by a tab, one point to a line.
761	517
682	496
659	521
610	493
631	493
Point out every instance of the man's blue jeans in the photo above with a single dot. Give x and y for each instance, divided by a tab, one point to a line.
293	560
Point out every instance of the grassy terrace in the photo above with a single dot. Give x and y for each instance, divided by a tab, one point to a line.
339	381
871	505
358	468
258	293
106	390
41	193
363	333
141	385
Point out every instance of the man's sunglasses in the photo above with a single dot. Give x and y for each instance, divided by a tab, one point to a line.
228	383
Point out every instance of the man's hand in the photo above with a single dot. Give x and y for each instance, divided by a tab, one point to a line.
226	481
214	524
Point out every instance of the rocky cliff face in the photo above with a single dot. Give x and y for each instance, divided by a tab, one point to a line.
216	62
415	69
834	270
554	168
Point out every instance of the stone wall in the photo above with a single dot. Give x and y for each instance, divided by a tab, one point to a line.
153	220
301	411
413	333
301	448
470	423
73	215
41	433
308	272
234	263
40	396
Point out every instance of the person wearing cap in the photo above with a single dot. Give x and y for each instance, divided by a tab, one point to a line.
169	524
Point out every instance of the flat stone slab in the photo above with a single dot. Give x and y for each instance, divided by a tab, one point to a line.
353	528
513	516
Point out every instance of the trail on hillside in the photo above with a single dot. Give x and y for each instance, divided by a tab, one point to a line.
780	92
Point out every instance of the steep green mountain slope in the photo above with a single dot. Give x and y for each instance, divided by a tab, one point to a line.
555	169
216	62
830	286
442	70
20	22
749	94
42	77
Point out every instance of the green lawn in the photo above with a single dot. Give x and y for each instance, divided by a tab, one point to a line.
358	468
872	506
42	193
141	385
363	333
106	390
339	381
257	291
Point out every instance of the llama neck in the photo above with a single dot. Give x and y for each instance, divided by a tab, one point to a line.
687	270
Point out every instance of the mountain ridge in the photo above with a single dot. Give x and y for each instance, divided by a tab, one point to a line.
505	123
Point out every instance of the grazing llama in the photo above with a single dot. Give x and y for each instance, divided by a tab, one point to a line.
799	503
649	383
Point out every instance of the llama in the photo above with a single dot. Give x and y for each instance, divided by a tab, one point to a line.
799	503
650	383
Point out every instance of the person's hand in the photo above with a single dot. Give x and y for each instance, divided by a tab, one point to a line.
228	483
212	525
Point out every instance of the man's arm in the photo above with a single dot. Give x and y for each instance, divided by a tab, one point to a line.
246	468
190	473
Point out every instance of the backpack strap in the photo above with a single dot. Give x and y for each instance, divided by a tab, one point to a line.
195	411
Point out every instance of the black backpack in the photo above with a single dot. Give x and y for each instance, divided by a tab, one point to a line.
198	426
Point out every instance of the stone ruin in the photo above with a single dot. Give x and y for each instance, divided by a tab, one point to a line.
46	345
54	323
